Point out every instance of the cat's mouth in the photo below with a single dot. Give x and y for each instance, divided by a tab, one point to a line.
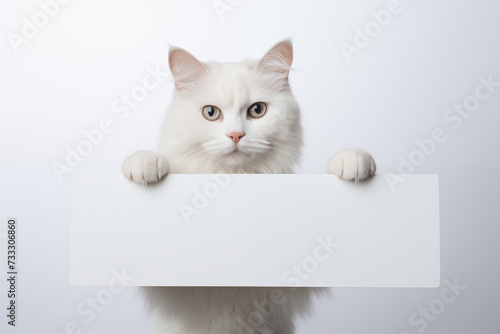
236	150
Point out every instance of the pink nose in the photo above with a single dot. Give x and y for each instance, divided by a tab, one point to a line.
236	136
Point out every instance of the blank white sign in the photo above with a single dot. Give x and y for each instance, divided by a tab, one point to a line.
255	230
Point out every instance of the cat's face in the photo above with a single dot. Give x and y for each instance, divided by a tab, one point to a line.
235	117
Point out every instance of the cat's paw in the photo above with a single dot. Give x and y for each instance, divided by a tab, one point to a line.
145	167
353	164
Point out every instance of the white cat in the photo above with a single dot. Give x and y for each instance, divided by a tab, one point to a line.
232	118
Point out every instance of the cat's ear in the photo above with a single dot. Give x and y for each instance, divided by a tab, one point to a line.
185	68
278	60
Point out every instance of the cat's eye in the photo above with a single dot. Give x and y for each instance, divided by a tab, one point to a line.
257	110
211	113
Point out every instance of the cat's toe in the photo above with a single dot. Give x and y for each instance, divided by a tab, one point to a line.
145	167
353	165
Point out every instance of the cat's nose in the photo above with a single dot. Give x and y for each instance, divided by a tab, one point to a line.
236	136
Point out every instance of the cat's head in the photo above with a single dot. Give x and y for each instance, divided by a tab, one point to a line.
233	117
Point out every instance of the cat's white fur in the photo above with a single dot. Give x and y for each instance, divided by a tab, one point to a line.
271	144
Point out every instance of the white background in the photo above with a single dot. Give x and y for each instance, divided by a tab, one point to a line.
395	91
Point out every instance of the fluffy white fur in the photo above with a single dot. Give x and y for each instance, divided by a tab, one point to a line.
192	144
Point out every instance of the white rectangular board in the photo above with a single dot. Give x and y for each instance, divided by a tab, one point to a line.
255	230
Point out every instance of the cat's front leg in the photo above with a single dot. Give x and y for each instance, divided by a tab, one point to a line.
145	167
352	164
